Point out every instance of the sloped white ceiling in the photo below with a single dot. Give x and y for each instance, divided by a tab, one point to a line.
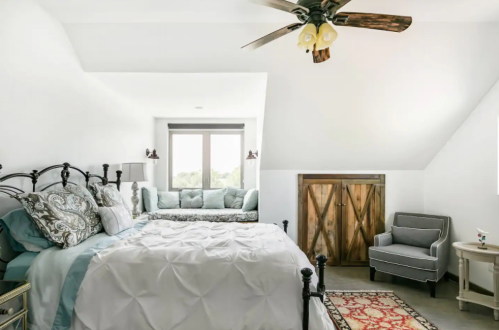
383	101
242	11
181	95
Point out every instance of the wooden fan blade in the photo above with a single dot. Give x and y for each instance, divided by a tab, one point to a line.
373	21
282	5
334	4
272	36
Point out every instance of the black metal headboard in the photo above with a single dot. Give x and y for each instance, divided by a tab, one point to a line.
65	174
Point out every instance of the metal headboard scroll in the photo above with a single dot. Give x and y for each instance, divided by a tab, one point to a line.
65	174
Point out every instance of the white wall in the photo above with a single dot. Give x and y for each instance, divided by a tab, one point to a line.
384	101
462	182
279	195
162	143
51	111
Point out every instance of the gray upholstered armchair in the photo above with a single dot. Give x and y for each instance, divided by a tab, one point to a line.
417	248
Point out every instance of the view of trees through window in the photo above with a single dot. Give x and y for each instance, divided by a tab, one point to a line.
218	155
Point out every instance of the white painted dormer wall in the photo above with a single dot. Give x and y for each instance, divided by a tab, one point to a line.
51	111
462	181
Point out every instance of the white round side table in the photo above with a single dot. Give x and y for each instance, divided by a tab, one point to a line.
470	251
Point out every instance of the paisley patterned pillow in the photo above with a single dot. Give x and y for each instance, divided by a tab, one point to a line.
108	196
66	216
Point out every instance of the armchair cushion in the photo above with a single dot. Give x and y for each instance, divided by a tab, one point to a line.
423	238
404	255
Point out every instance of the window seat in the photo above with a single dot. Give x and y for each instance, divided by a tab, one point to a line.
218	215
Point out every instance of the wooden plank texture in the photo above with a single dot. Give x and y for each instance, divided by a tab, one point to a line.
382	22
339	216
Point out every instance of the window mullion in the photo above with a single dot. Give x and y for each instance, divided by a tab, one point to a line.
206	160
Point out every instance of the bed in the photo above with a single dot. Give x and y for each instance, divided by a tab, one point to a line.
218	215
164	274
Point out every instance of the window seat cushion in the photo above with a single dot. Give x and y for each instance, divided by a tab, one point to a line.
218	215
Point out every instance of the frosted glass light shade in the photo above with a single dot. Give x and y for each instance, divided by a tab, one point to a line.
308	37
327	35
134	172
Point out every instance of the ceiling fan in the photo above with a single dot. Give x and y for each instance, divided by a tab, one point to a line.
318	35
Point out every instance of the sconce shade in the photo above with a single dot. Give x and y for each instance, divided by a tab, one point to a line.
327	35
152	155
134	172
252	155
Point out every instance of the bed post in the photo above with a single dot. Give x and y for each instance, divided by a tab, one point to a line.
65	174
321	286
106	168
118	179
285	224
306	278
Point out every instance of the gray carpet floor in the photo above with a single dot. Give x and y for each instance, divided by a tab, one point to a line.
443	311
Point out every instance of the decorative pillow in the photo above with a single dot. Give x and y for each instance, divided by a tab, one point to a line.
415	237
108	195
191	198
168	200
22	233
234	198
250	201
66	216
213	199
150	197
115	219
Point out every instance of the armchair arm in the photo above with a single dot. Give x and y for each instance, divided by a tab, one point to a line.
441	250
440	247
384	239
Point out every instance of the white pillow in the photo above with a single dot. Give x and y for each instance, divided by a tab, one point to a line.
115	219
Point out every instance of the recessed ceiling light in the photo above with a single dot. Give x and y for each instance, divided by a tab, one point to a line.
199	108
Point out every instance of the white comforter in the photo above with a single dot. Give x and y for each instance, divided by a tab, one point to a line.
198	276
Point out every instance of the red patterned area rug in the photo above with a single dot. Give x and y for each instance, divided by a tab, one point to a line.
373	310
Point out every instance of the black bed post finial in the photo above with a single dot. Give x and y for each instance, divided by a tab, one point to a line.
321	264
34	179
106	169
306	278
285	225
118	179
65	174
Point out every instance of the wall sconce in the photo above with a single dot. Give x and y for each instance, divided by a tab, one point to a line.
152	155
252	157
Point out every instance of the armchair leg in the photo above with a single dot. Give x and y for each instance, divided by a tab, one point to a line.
373	271
432	286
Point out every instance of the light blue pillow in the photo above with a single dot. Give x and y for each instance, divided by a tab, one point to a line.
191	198
234	198
150	198
168	200
250	200
22	233
213	199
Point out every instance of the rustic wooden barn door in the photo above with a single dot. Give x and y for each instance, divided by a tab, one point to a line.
360	219
339	215
322	201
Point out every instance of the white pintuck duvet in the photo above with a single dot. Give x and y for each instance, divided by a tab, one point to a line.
197	276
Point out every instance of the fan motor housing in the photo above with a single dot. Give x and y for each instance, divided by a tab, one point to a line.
316	15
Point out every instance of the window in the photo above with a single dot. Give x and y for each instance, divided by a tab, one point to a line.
207	159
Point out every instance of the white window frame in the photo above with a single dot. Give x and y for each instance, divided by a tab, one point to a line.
206	170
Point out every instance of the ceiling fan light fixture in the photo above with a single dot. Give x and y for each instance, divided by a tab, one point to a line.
308	37
327	35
